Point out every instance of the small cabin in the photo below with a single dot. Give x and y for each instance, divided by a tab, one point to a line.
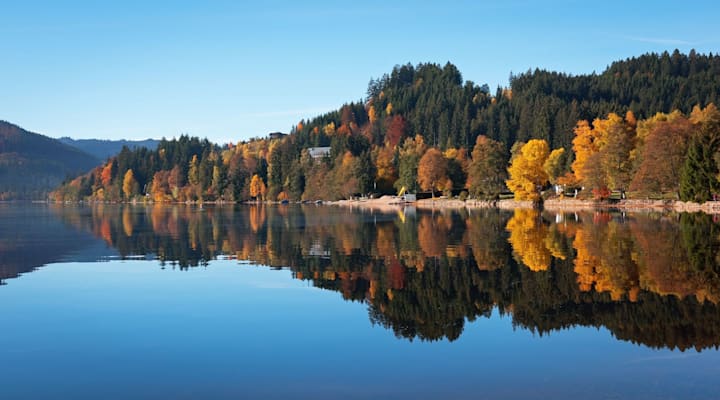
409	197
319	152
276	135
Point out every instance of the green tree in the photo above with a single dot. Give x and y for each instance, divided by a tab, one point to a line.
699	175
410	153
487	170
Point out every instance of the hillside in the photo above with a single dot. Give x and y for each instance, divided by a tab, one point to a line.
424	128
104	149
32	164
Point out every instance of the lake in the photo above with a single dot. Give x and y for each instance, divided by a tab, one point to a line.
323	302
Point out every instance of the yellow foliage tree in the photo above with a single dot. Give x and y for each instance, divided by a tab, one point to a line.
386	170
609	146
130	185
527	175
372	114
329	129
617	148
257	187
585	144
553	165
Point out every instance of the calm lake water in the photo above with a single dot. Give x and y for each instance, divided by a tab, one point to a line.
318	302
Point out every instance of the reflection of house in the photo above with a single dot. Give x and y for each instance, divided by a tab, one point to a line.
276	135
409	197
317	250
319	152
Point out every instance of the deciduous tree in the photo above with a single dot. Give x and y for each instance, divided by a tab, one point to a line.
257	187
130	185
527	175
432	171
664	148
487	170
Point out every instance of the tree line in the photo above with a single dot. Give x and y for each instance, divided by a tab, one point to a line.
632	127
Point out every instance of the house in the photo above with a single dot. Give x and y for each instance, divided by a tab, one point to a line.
318	152
276	135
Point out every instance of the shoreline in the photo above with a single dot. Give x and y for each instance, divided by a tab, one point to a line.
711	207
392	203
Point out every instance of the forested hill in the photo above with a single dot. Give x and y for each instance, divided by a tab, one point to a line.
104	149
424	128
434	101
32	164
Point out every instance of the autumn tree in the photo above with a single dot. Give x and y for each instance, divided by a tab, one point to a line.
432	171
130	185
604	152
665	143
645	128
585	144
344	179
175	182
487	170
616	150
386	170
554	165
257	187
107	174
160	188
527	175
395	130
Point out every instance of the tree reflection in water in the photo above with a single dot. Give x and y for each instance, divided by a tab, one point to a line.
648	278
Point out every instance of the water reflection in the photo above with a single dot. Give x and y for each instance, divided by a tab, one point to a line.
648	278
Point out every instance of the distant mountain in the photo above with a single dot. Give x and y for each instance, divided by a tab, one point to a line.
32	164
104	149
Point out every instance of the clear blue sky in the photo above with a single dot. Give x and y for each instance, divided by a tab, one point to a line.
230	71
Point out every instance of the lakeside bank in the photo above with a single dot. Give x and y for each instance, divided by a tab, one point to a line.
391	202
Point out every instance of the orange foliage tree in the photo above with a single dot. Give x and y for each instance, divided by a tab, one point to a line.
432	171
257	187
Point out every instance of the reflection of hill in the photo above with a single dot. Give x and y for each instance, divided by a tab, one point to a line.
32	238
650	279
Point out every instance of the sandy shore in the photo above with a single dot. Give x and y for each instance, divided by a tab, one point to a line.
393	203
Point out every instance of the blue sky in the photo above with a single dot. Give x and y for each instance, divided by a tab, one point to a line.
229	71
